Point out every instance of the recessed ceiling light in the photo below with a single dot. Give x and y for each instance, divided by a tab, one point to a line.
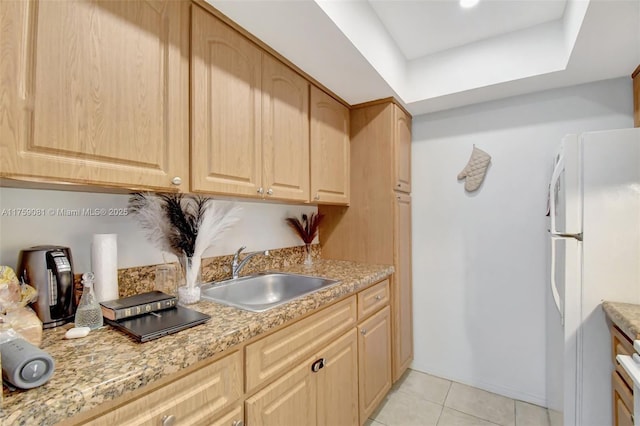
466	4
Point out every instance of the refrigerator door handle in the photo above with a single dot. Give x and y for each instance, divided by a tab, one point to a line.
554	286
557	171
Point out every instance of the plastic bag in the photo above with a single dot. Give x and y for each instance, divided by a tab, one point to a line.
14	295
14	313
25	322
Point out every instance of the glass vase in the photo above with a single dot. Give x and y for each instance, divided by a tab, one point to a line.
88	313
189	292
308	260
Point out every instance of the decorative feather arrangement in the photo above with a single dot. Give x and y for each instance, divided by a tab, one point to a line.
215	221
149	212
183	225
307	229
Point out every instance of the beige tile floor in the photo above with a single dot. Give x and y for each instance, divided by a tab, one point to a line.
420	399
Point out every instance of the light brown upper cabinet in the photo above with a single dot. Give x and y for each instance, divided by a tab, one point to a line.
226	103
285	132
250	117
329	149
402	150
95	92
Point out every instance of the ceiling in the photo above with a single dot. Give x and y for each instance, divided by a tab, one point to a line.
420	28
432	55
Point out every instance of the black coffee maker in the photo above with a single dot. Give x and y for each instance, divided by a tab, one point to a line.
49	269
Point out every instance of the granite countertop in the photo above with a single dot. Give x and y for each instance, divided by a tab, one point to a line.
107	363
626	316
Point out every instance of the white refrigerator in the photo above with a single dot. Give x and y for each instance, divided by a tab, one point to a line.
594	236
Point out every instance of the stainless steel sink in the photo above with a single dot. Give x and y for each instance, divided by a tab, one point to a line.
260	292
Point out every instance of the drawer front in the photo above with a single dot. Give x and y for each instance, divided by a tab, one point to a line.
621	392
277	352
372	299
621	345
233	417
193	399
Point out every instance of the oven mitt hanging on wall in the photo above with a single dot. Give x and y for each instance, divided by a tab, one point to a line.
475	169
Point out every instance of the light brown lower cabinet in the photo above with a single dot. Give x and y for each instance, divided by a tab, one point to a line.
321	390
289	400
624	416
199	398
332	368
270	357
621	382
374	361
622	401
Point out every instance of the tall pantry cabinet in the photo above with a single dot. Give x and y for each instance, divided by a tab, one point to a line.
376	228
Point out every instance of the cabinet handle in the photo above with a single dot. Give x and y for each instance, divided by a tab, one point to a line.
363	331
260	191
398	185
317	365
269	191
317	197
378	297
237	423
177	180
169	420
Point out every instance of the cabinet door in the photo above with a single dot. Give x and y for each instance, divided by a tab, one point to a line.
622	399
226	98
338	383
402	287
290	400
623	416
402	150
94	92
374	360
330	163
285	132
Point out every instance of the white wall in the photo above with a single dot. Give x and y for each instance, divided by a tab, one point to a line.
261	227
479	259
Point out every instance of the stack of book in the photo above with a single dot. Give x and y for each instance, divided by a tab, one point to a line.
139	304
150	315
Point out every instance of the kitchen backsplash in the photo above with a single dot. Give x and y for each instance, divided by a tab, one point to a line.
141	279
63	222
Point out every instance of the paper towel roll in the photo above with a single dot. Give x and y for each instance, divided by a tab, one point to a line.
104	262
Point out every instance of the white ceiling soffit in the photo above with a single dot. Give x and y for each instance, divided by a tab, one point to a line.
421	28
346	46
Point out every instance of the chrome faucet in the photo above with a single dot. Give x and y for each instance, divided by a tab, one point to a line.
237	265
